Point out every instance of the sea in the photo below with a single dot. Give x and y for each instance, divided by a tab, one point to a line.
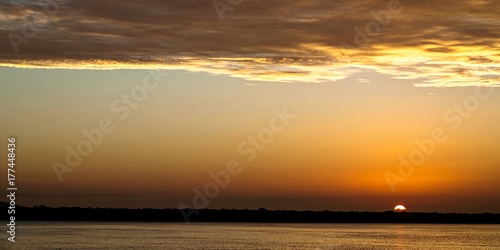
251	236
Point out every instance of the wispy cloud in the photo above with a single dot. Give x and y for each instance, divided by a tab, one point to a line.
436	43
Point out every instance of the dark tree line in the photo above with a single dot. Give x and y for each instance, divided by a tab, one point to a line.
44	213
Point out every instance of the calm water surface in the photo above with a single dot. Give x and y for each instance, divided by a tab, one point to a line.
80	235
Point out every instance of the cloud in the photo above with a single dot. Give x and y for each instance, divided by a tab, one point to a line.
435	43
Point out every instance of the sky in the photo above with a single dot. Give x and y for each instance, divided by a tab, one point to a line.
307	105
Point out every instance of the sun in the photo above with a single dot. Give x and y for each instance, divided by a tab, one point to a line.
399	208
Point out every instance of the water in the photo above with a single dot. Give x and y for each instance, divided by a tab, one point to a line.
85	235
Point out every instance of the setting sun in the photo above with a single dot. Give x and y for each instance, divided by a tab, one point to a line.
399	208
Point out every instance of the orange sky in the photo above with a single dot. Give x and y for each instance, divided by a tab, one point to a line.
333	155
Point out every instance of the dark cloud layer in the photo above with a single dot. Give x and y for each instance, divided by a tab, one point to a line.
437	43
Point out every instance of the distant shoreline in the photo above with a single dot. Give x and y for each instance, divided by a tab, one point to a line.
44	213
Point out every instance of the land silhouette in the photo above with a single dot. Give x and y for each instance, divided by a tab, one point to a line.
44	213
